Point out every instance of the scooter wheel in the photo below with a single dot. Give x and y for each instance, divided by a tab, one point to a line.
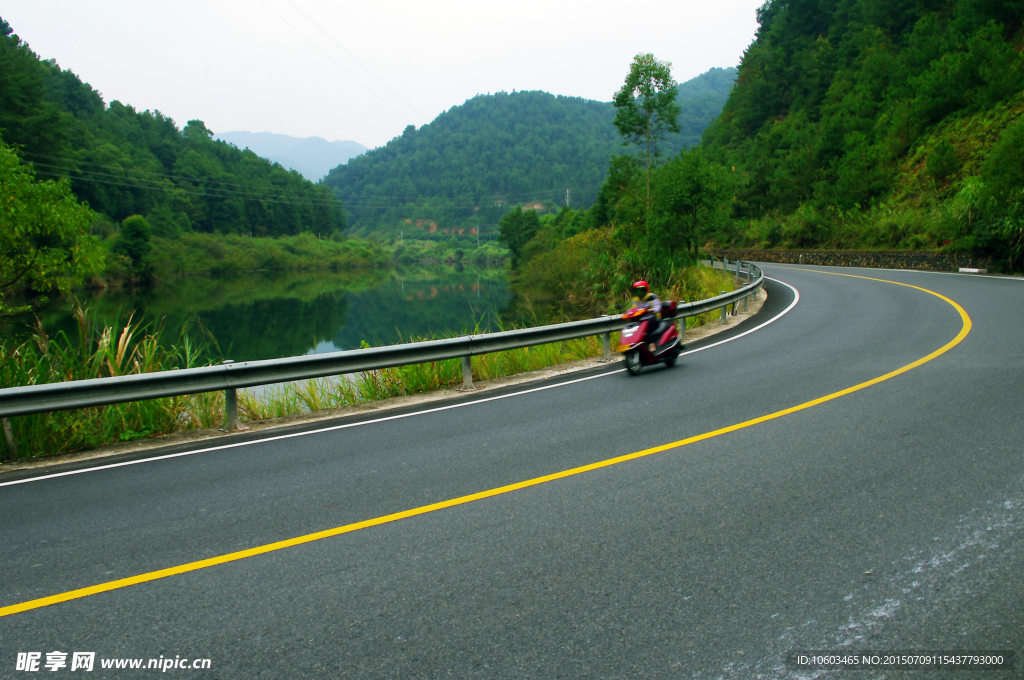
671	361
633	363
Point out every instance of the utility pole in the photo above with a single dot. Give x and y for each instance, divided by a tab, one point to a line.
568	193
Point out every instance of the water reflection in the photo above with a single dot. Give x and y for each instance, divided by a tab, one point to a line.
265	316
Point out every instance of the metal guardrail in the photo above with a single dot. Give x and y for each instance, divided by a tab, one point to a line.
229	376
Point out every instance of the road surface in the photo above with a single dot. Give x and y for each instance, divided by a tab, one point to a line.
511	534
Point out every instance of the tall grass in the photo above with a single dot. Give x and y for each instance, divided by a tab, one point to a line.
101	351
360	388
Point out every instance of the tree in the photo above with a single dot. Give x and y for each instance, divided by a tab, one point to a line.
45	246
516	228
646	106
133	243
692	196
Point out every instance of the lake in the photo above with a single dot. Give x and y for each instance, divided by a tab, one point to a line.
267	316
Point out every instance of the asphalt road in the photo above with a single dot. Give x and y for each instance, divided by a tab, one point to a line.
888	518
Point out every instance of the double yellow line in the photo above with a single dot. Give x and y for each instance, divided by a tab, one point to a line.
462	500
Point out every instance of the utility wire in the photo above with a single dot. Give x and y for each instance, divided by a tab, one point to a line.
223	193
175	188
379	201
353	57
153	183
76	162
351	75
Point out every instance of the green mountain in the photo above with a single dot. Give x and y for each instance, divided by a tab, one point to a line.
881	124
124	162
468	166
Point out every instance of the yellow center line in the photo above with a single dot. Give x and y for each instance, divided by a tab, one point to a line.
462	500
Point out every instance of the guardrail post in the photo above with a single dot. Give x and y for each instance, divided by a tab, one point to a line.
724	311
12	445
606	342
230	405
467	373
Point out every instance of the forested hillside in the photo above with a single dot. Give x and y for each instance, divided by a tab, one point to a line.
473	162
881	124
125	162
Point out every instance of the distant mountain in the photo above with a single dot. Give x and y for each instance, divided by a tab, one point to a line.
473	161
312	157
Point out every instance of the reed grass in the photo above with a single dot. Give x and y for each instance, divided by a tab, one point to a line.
101	351
360	388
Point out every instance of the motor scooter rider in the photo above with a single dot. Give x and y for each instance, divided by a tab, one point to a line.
644	298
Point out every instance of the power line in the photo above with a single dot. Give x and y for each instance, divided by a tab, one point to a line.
351	75
176	188
353	57
261	193
384	200
76	162
154	184
118	182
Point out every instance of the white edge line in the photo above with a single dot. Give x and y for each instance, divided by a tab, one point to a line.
787	265
796	299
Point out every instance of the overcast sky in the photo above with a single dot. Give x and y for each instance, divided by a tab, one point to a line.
265	66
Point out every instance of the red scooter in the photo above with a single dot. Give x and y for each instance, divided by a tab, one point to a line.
649	340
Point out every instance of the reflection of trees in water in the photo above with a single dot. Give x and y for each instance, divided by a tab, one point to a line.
422	308
276	328
263	317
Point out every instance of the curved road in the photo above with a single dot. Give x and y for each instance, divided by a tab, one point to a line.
885	518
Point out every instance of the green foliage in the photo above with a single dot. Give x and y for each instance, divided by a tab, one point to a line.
123	162
856	121
591	273
693	195
942	161
646	108
360	388
45	246
101	351
208	254
1003	170
133	242
832	95
517	228
475	161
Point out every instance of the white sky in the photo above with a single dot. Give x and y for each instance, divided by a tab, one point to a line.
237	65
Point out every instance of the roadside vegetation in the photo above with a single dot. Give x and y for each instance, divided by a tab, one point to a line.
101	351
893	126
649	221
315	395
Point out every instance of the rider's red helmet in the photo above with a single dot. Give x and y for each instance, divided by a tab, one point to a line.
640	289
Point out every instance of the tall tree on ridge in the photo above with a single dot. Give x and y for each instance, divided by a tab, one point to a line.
646	106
